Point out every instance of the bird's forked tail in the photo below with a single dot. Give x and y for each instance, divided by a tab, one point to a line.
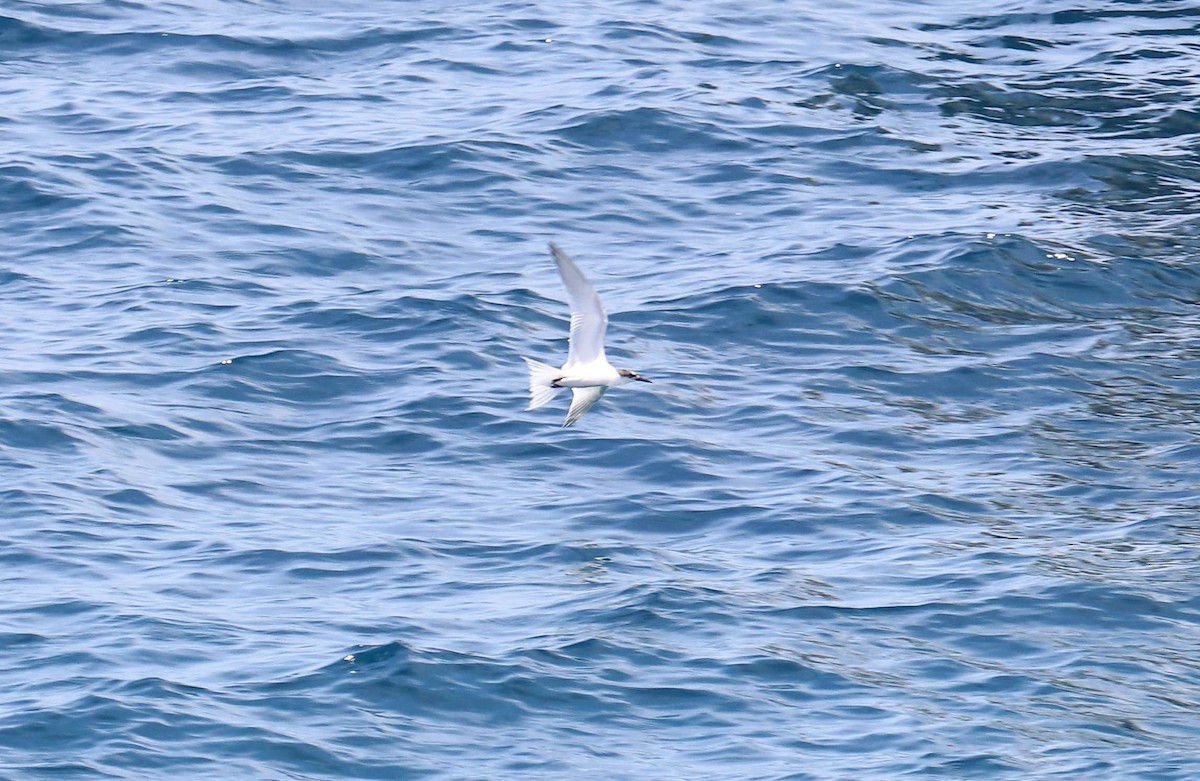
540	378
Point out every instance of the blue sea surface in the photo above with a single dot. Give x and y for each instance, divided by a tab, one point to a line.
915	493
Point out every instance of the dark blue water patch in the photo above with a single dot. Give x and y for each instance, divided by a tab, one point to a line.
349	565
319	262
439	686
784	317
446	685
869	91
191	743
238	85
16	34
31	434
176	338
646	130
409	164
381	435
15	283
435	167
1012	280
24	36
1158	124
1135	180
129	498
301	377
1017	107
38	190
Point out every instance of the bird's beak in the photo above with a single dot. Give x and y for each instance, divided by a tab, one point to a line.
640	378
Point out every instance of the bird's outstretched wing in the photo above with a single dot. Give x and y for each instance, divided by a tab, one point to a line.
588	320
582	400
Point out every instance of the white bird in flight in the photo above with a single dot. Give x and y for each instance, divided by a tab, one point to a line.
587	372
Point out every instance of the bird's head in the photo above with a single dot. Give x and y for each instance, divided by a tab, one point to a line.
630	376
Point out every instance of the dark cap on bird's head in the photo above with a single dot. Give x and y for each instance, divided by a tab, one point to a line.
630	375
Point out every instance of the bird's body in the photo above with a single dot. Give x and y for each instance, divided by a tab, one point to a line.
589	376
587	371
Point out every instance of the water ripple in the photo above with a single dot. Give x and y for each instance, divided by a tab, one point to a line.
913	492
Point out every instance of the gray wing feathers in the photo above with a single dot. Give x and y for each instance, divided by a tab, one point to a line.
588	318
582	400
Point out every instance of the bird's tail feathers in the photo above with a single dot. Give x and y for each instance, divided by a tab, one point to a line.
540	378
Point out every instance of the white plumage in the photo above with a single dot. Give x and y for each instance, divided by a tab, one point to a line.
587	371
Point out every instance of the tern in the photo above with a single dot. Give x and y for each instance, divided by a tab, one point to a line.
587	371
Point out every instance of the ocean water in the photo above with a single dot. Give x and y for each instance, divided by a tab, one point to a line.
915	493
